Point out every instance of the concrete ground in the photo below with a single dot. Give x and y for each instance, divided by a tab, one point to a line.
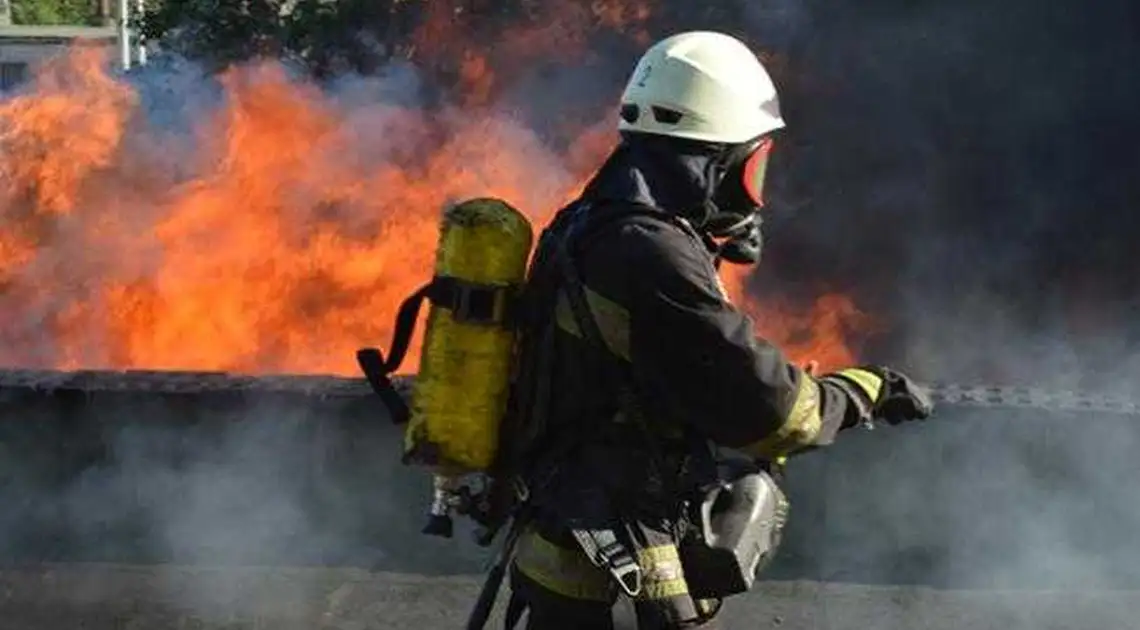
130	597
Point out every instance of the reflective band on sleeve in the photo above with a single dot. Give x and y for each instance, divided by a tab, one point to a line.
708	608
612	319
567	572
662	574
800	428
870	383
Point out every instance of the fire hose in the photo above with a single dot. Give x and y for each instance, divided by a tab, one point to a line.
957	395
322	386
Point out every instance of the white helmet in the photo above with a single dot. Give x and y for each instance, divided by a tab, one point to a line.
701	85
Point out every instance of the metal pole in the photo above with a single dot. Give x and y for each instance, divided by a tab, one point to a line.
124	34
105	16
140	9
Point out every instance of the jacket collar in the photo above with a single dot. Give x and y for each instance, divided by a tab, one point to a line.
649	172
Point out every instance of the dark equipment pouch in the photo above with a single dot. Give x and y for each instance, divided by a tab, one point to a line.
735	529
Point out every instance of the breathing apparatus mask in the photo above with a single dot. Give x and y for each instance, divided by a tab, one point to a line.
736	185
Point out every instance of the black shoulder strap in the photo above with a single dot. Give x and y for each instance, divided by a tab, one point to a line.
378	370
592	334
552	272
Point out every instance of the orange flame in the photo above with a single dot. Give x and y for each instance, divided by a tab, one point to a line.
556	29
289	235
822	335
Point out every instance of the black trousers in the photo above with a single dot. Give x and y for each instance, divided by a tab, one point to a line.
547	610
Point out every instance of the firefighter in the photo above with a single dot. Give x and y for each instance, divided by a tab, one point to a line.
664	364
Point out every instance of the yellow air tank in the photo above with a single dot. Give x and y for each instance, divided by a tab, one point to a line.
460	392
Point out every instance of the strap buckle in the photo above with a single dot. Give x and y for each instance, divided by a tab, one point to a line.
477	305
471	302
522	490
624	569
604	549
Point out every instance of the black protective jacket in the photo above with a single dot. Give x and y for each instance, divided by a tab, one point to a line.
697	368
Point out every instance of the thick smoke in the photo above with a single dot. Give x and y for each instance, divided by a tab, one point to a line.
966	171
228	484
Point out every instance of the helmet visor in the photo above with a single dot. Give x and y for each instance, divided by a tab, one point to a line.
754	171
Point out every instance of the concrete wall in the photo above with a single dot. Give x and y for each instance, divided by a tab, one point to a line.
27	45
971	499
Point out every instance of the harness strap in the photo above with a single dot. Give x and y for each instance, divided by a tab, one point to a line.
605	550
477	620
516	606
603	546
588	327
468	302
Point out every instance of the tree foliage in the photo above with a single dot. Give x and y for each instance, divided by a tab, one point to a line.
78	12
335	36
215	31
328	37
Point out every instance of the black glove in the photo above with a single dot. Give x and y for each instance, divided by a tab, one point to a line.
881	393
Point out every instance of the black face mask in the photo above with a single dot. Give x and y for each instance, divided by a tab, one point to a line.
734	217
